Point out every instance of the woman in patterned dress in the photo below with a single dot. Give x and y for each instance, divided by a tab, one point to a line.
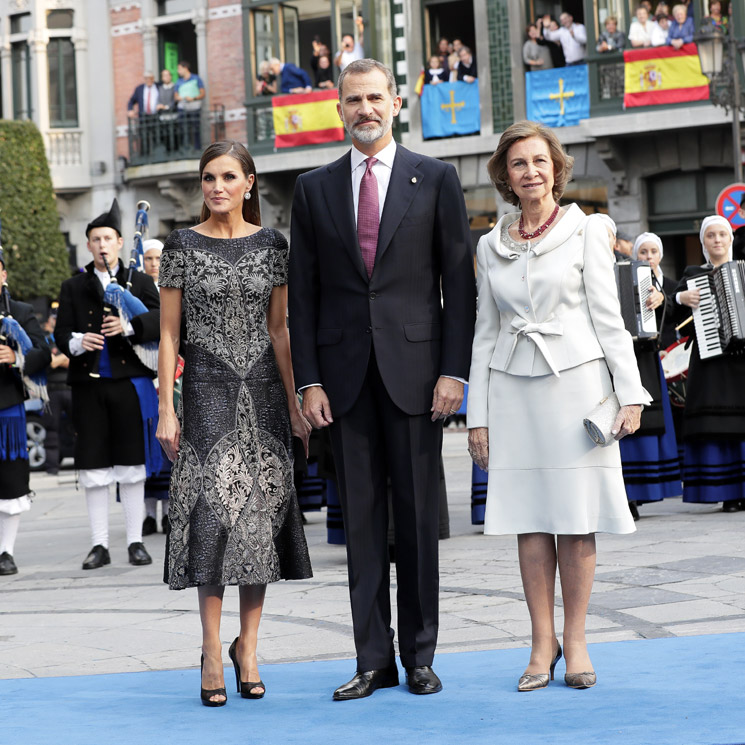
234	514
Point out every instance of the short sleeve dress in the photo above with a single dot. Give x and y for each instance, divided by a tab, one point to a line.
234	516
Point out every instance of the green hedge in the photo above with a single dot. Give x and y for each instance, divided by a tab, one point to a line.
35	252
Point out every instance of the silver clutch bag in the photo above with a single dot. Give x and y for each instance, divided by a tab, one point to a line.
599	422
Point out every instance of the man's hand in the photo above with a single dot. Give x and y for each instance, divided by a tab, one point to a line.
111	326
92	342
447	398
7	355
316	407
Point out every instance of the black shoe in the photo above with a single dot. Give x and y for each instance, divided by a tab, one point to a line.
138	555
149	526
165	524
97	557
245	689
422	680
206	693
634	510
733	505
7	565
364	684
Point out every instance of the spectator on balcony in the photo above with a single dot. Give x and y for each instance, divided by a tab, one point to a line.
648	5
662	9
266	80
554	47
436	73
322	67
351	50
453	58
611	40
659	32
642	28
572	37
466	69
536	54
293	79
145	97
189	93
715	17
166	93
681	29
444	49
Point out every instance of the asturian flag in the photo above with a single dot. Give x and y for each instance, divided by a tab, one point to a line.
559	97
450	109
663	75
306	119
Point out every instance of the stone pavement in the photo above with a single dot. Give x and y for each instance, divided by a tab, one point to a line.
682	573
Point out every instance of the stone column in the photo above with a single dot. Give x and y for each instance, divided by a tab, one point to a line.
6	71
38	39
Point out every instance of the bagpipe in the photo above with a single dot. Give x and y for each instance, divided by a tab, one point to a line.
119	301
12	334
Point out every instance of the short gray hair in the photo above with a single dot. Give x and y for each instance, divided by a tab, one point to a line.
363	66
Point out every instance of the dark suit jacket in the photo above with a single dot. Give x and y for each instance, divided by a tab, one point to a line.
418	308
11	386
138	97
81	310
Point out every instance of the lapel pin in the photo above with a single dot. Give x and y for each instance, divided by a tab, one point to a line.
413	179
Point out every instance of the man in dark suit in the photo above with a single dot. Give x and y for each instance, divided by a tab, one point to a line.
382	307
114	402
19	379
145	98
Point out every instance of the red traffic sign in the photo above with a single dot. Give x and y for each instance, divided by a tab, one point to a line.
728	205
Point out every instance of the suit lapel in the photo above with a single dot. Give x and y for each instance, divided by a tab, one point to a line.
337	191
403	186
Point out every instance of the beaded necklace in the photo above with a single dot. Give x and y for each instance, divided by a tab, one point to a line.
540	230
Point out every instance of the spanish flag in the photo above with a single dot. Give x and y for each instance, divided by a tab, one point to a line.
663	75
306	119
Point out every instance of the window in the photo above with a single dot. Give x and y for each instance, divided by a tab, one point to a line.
63	99
20	23
169	7
59	19
20	64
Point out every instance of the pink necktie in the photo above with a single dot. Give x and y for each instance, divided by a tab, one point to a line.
368	216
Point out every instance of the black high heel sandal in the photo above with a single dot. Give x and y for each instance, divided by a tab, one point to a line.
206	695
245	689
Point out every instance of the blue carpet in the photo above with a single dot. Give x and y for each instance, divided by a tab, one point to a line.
675	691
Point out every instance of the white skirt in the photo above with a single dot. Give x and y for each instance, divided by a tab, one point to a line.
545	474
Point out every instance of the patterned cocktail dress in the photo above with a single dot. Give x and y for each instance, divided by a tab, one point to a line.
233	511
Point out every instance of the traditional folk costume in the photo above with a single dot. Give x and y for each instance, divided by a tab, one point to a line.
714	416
115	415
21	331
649	457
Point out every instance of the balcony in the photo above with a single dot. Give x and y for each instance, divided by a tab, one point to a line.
171	136
67	153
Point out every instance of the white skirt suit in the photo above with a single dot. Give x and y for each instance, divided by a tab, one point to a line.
550	344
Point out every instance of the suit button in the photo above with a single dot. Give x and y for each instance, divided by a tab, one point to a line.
123	362
89	325
368	330
372	296
90	312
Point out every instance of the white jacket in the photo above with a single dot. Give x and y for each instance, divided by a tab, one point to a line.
549	309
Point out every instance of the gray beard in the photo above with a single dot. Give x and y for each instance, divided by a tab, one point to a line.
367	135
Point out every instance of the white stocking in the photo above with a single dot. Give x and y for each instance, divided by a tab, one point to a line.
8	532
133	502
97	498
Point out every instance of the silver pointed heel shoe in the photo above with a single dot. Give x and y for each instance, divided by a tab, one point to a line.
580	680
534	681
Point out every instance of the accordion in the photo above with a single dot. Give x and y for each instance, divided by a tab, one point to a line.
720	317
634	280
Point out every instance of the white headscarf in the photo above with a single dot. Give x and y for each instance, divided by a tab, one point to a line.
151	244
646	238
705	224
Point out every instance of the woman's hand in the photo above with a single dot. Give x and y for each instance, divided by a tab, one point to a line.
691	298
478	446
655	299
301	427
169	433
627	422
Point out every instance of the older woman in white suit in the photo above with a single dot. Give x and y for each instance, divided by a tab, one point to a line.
550	344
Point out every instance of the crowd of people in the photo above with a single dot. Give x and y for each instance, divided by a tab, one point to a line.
384	333
452	61
552	43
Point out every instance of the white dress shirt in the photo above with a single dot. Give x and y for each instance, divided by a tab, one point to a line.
573	41
381	170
